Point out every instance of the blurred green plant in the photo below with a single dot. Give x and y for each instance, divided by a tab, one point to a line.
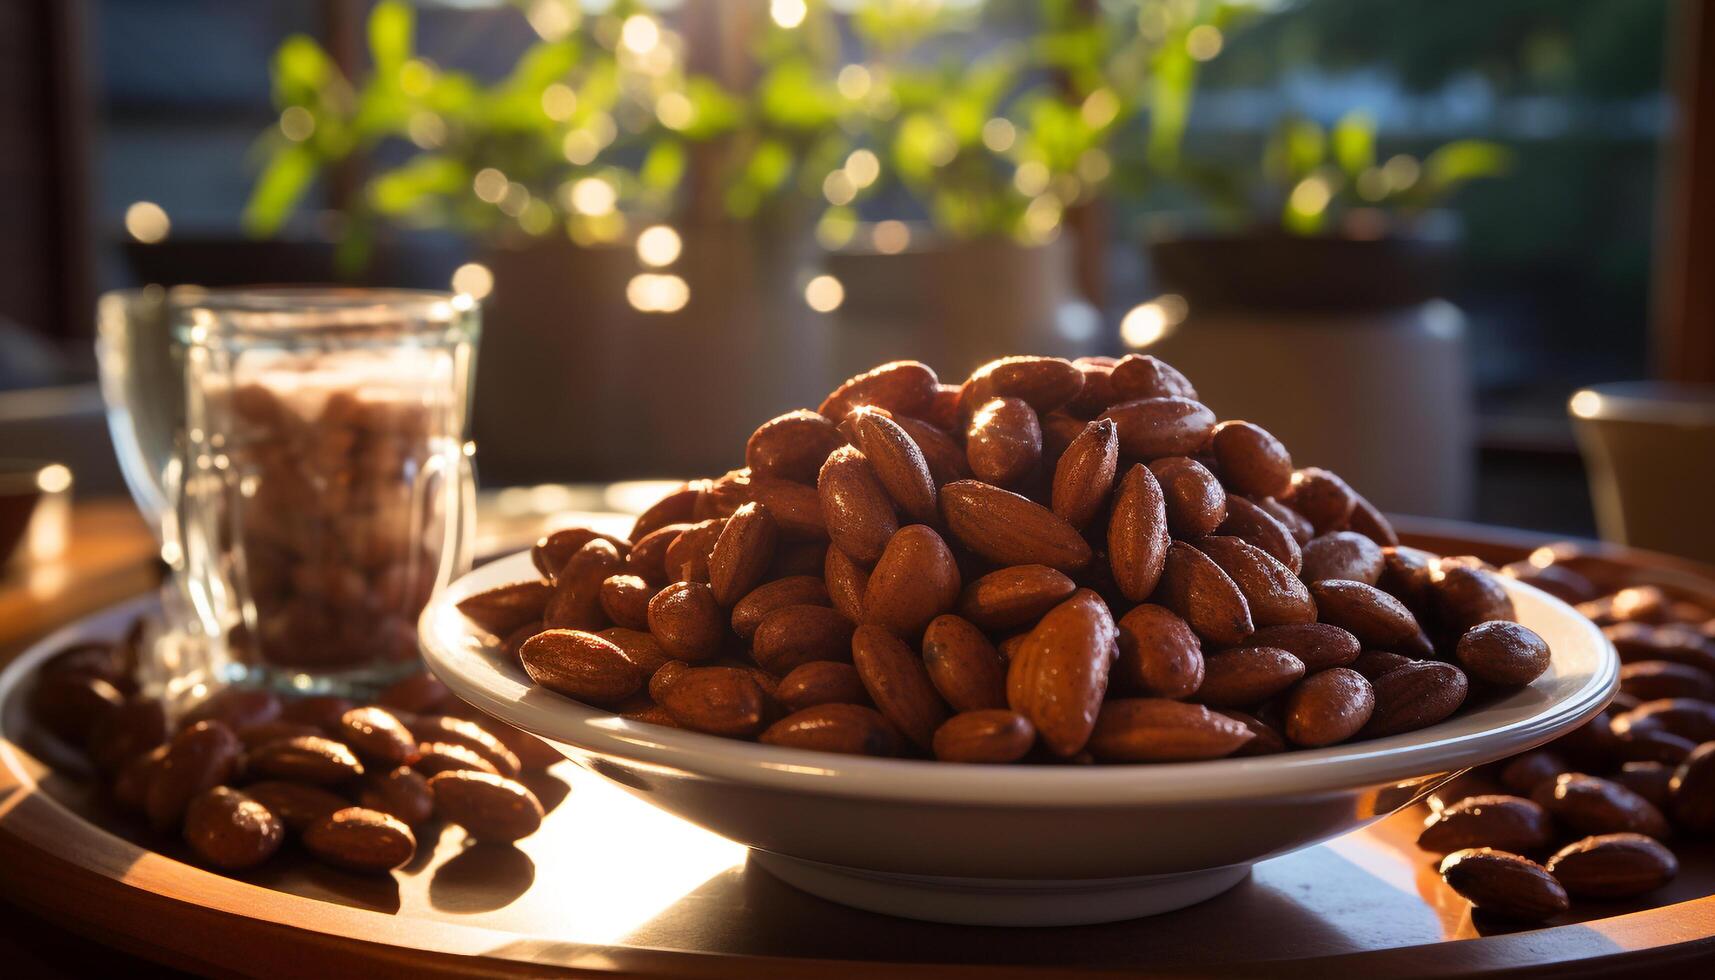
600	124
1313	179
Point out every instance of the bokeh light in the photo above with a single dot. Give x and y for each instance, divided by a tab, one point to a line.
640	34
474	280
297	123
147	222
655	293
490	185
559	101
838	188
1204	42
593	196
999	134
863	167
787	13
675	110
891	237
824	294
1148	322
658	245
853	82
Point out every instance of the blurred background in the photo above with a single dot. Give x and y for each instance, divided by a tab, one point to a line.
1401	235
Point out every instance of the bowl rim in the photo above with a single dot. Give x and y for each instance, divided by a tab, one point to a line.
455	650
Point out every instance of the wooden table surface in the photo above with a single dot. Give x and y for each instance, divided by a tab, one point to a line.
613	883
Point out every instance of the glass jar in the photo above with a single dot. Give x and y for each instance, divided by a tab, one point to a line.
326	489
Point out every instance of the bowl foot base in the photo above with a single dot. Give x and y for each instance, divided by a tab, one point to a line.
1000	901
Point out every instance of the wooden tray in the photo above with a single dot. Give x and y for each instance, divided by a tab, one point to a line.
613	885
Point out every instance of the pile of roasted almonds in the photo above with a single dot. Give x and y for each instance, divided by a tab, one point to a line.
1052	561
243	768
1611	792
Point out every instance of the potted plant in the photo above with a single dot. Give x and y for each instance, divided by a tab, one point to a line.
1328	267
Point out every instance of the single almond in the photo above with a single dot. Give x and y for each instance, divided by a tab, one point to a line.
1198	590
850	729
1504	884
1329	707
898	463
901	387
402	792
846	582
1138	541
1196	501
553	550
792	446
625	600
993	736
1059	674
1415	695
358	839
1610	866
857	508
964	666
489	808
796	507
576	602
687	621
687	556
1248	520
377	735
1015	597
1321	497
1691	791
1043	383
1009	529
1502	653
1462	597
898	683
1274	596
1159	730
799	634
1246	676
1374	617
915	580
1159	654
1151	428
231	831
648	557
794	590
1253	462
1343	555
504	609
724	701
1084	475
580	665
1508	823
200	757
1592	805
941	452
1003	442
1147	376
448	730
742	553
821	682
1318	645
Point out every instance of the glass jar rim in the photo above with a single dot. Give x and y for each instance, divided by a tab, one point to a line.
276	312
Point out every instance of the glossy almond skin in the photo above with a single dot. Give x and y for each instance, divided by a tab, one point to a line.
1043	383
1003	442
674	508
376	735
898	683
821	682
648	557
1084	475
1650	680
1253	462
1244	676
581	666
1461	597
1691	792
625	601
899	464
637	646
1414	696
256	736
1137	376
857	508
797	508
448	730
1009	529
1159	654
401	792
901	387
552	550
1159	730
1098	390
1196	501
1198	590
576	602
361	840
794	635
1059	675
724	701
687	556
915	581
305	759
992	736
1613	866
199	758
1509	823
1369	521
943	454
1374	617
1321	497
231	831
1502	653
1256	526
1151	428
846	582
795	590
1266	738
1591	805
1015	597
504	609
236	707
1138	541
742	553
792	446
964	666
849	729
1329	707
1274	596
296	805
1374	663
489	808
1343	555
1504	884
1318	645
687	621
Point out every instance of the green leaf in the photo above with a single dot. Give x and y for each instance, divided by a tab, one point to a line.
391	25
1464	160
713	111
406	189
301	71
282	182
1354	141
663	167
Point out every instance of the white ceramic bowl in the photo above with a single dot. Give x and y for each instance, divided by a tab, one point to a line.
1021	845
